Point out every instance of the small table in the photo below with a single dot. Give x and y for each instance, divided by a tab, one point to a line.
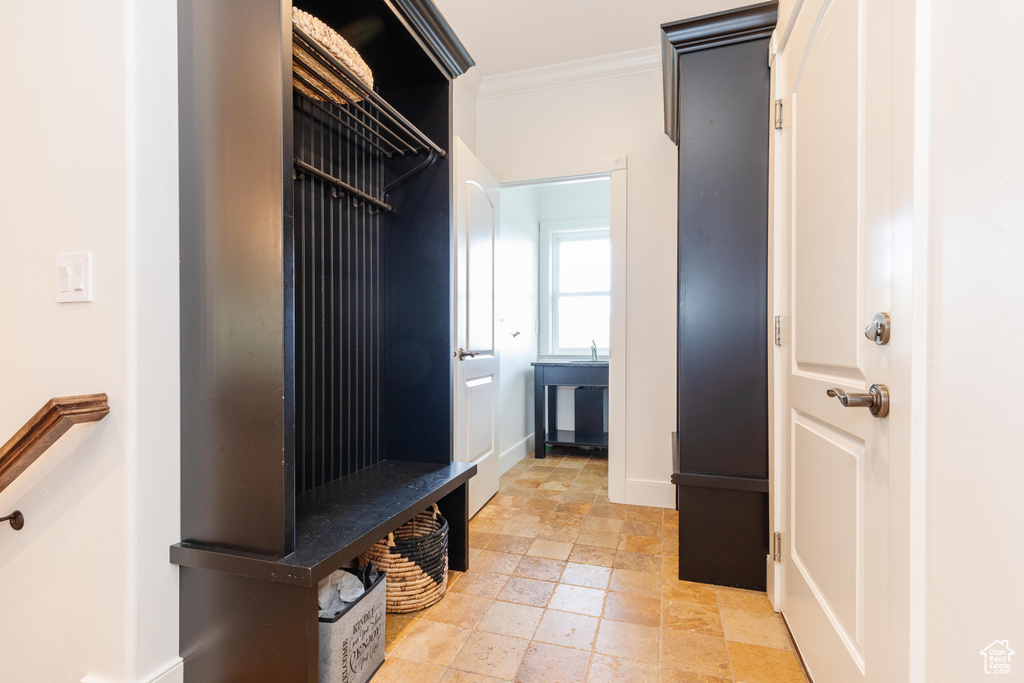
548	374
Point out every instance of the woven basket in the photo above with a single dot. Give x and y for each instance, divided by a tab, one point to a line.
415	559
304	65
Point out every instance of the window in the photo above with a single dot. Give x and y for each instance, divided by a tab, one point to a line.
580	291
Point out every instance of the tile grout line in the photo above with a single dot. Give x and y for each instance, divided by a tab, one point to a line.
728	652
629	514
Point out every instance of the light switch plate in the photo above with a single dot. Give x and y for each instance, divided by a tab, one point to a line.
74	278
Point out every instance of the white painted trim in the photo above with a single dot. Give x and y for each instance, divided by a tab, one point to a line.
517	452
650	493
618	489
773	584
783	38
470	82
572	73
134	216
173	672
547	171
150	413
561	181
917	577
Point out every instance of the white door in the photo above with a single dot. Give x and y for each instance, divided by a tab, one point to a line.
834	75
476	365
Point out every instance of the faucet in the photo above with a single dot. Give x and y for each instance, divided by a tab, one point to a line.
593	350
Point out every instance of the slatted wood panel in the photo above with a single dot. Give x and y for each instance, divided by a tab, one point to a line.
338	306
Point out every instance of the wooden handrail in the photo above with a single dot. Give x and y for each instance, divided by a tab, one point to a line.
42	431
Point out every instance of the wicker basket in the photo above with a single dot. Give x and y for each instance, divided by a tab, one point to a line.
310	70
415	559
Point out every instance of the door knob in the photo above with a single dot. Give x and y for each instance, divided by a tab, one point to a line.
879	329
876	400
463	354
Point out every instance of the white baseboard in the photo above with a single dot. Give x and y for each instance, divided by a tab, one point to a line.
513	455
650	493
173	672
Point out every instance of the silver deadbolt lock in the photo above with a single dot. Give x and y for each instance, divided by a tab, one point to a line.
879	329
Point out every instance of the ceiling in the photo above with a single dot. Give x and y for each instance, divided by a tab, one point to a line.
510	35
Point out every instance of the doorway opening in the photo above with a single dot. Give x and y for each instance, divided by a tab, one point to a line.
560	231
534	245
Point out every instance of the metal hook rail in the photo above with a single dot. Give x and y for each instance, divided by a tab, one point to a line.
356	193
404	135
363	116
411	172
341	185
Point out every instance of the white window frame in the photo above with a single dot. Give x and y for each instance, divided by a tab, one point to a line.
553	233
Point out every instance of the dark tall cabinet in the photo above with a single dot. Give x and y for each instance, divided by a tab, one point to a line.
718	110
316	293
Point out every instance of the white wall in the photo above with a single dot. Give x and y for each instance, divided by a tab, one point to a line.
89	151
973	455
154	462
564	201
464	93
516	311
525	135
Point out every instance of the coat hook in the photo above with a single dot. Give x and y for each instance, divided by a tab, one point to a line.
16	519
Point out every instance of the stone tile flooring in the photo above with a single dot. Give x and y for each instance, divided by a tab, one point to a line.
566	587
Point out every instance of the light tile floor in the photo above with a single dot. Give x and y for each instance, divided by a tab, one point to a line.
566	587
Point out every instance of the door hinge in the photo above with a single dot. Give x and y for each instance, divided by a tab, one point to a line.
778	330
778	114
777	546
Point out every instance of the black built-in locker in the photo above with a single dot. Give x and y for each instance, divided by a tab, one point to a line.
718	110
316	290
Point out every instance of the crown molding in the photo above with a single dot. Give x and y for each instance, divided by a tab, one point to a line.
703	33
429	27
470	81
571	73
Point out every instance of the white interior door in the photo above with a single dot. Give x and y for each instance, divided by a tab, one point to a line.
476	366
834	75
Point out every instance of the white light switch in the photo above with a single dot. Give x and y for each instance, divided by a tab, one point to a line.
63	279
74	277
